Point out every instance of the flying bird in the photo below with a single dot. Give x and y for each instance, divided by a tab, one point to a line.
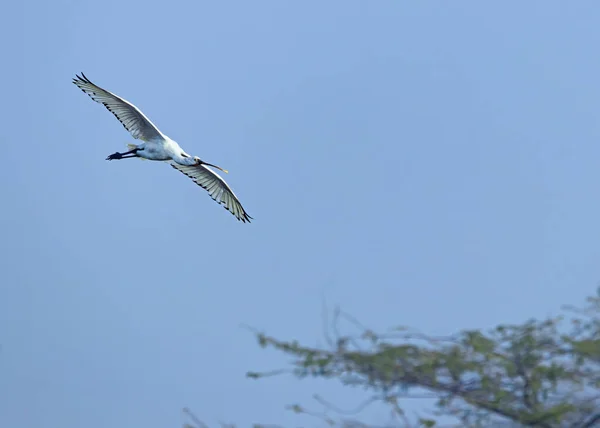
157	146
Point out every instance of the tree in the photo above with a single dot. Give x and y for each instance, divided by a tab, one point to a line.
537	374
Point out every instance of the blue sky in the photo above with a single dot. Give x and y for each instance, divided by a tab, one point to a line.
435	164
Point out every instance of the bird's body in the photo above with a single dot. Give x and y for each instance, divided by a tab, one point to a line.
162	150
158	147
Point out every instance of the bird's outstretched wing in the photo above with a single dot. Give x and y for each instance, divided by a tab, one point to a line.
129	115
216	187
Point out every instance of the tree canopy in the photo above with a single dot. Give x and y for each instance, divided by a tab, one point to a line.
541	373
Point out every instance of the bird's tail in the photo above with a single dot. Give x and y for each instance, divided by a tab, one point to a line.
133	146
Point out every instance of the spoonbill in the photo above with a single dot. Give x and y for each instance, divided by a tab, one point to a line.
157	146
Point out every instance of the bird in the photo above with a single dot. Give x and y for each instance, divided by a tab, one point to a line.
157	146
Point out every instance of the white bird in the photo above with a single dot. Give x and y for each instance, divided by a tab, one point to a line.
159	147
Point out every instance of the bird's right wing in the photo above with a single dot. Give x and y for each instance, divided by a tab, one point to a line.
217	188
129	115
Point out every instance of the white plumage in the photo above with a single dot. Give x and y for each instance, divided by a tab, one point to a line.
158	147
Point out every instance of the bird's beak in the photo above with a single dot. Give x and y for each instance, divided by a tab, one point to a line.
215	166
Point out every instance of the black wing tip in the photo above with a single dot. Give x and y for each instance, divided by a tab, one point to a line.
83	78
245	218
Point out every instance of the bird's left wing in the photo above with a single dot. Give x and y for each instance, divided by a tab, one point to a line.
217	188
129	115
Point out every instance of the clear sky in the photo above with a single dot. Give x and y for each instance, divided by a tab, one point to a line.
435	164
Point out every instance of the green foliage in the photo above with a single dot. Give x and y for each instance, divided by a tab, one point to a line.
539	373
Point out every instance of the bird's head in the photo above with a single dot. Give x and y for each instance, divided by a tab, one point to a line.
201	162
